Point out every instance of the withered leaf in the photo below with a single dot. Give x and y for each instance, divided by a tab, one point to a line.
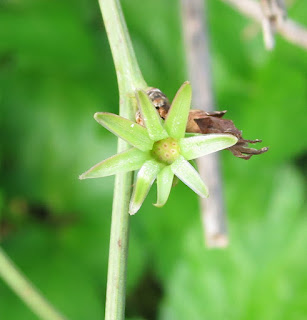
213	123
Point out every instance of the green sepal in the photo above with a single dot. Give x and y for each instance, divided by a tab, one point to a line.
151	118
198	146
177	118
125	161
145	178
164	185
192	134
128	130
188	175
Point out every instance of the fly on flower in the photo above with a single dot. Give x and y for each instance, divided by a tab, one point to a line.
159	149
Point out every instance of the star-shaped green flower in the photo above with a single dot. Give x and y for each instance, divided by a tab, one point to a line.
160	149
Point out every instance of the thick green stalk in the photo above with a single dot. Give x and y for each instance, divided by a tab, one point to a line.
129	79
24	289
129	76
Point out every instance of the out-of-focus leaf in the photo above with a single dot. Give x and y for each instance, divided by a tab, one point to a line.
54	271
258	275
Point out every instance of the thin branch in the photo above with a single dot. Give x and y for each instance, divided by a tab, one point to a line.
198	57
129	78
295	33
274	14
289	29
25	290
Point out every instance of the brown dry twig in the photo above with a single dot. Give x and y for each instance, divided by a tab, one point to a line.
196	40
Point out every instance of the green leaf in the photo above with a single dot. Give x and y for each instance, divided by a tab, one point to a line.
198	146
129	160
128	130
145	178
188	175
176	120
151	117
164	185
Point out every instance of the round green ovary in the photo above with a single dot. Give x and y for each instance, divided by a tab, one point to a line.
166	150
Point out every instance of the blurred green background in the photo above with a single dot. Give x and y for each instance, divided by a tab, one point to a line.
56	70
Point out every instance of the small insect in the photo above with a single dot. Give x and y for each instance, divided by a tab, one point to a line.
200	121
159	100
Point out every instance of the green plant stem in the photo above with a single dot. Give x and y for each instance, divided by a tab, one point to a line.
129	79
25	290
129	76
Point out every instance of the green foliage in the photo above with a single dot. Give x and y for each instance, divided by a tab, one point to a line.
259	276
56	72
